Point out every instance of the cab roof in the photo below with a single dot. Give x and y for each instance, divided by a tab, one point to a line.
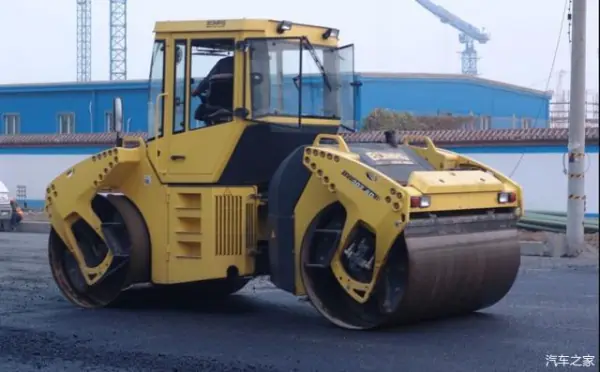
227	25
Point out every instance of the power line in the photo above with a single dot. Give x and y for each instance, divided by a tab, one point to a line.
557	47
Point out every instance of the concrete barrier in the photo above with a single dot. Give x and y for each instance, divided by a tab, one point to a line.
41	227
553	246
539	249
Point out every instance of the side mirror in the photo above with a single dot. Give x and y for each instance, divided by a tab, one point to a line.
117	115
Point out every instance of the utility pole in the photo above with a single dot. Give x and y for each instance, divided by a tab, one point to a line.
576	170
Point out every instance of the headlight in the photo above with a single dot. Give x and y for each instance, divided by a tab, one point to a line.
420	201
284	26
507	197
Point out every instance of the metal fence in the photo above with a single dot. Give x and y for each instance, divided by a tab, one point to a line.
560	106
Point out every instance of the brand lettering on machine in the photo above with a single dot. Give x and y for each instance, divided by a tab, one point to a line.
389	157
360	185
215	23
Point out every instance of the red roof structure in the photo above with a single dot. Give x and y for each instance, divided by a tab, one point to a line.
454	138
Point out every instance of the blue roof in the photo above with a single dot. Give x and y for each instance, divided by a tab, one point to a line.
73	86
454	78
143	83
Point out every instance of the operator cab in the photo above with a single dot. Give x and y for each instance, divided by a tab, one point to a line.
229	100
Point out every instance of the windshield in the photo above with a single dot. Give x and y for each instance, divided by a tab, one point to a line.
291	77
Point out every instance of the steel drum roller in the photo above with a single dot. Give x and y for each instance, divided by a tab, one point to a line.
436	269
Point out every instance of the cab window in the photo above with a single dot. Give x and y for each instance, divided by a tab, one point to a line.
180	91
212	80
157	79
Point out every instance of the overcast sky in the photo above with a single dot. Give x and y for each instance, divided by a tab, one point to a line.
393	36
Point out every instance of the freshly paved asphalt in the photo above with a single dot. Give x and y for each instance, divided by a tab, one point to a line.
552	309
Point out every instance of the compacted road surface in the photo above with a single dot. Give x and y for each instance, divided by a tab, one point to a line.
551	311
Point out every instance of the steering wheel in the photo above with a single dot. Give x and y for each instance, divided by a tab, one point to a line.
203	96
256	78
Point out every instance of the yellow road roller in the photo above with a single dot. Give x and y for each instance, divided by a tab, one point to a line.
245	172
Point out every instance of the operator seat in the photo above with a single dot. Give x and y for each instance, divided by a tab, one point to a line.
217	106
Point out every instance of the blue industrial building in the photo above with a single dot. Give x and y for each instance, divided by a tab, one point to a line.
86	107
69	107
500	105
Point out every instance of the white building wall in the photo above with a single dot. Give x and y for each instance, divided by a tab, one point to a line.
540	174
34	171
543	179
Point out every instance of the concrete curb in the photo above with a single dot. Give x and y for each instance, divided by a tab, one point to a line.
39	227
544	249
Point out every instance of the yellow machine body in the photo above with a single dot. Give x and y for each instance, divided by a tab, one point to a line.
373	233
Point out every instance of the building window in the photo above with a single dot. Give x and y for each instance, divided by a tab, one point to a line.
66	123
108	118
486	122
12	124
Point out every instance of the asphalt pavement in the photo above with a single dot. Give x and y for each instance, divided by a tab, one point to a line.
551	311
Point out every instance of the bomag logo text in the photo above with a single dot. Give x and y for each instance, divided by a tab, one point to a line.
360	185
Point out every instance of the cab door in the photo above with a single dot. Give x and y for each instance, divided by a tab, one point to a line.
348	86
198	149
157	106
339	64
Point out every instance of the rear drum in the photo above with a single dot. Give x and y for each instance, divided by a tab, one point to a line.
64	268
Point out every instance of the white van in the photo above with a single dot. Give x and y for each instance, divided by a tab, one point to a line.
5	208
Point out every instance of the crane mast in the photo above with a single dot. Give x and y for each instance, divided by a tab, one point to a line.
469	34
84	40
118	40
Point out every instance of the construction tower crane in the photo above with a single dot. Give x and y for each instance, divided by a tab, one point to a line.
84	40
468	35
118	40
